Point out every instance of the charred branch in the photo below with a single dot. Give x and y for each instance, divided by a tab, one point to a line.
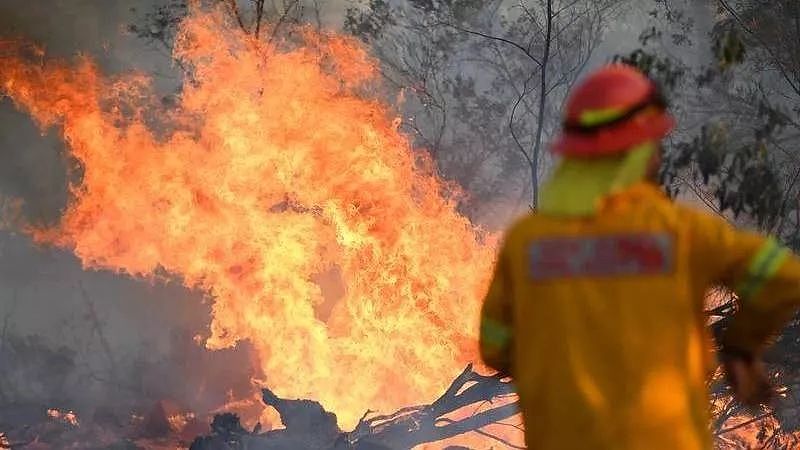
309	426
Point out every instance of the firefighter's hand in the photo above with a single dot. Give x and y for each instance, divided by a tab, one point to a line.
748	378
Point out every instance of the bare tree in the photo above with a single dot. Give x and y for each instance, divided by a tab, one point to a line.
487	80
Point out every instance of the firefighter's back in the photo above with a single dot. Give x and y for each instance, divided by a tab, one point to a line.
609	342
595	304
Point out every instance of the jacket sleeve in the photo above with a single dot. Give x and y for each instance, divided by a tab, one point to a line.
764	275
496	319
769	296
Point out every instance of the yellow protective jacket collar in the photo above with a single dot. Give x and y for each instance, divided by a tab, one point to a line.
579	185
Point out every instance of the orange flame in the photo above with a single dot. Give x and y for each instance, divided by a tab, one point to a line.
272	185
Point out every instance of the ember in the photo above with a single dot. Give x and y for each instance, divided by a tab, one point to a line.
69	417
179	421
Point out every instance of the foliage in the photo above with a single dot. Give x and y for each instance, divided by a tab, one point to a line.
736	150
159	25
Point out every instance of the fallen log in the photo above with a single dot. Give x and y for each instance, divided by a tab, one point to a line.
413	426
309	426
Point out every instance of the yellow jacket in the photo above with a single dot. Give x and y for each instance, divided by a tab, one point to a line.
599	320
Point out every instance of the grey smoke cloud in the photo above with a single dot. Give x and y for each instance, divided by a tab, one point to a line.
39	284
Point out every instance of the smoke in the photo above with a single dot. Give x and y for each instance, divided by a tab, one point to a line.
38	285
45	292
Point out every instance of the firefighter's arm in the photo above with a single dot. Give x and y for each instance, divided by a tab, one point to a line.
769	295
764	275
766	279
496	320
768	287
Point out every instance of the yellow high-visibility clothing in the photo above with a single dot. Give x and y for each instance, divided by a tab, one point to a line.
599	319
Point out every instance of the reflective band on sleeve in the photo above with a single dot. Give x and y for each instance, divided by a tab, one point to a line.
495	333
763	266
595	117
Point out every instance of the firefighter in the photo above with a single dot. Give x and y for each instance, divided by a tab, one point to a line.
596	305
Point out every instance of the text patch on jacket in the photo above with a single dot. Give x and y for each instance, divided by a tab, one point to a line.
597	256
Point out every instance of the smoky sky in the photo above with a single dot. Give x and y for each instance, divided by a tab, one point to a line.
40	287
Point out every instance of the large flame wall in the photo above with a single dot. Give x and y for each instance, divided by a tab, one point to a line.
269	175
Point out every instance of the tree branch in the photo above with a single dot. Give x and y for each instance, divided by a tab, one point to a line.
259	16
744	424
542	101
494	38
281	20
235	11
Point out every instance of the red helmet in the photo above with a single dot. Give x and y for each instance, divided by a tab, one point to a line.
613	110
